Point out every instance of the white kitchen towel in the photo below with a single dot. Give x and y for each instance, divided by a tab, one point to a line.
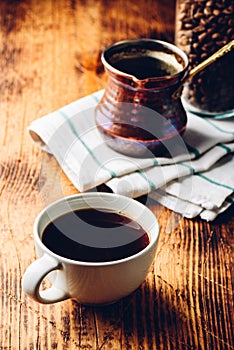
197	180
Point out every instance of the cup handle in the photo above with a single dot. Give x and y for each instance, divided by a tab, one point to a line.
34	276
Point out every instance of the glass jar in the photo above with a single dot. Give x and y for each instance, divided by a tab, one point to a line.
203	27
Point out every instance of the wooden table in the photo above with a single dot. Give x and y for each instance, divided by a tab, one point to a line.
50	56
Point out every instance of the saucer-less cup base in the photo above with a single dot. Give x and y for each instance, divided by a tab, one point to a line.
92	283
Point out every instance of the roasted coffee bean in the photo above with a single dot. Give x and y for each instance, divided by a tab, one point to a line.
202	27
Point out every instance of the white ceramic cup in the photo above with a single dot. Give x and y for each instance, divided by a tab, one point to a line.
90	282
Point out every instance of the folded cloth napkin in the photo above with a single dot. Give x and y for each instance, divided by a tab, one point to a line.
197	180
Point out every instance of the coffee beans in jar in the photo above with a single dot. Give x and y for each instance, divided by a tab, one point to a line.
202	28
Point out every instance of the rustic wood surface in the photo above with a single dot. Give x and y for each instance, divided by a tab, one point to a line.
50	56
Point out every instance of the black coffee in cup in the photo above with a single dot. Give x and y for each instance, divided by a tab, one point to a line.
93	235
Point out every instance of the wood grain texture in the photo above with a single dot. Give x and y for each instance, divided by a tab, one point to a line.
50	56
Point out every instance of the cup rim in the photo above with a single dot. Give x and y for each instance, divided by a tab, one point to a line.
153	237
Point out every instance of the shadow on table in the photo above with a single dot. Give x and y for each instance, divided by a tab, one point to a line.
146	316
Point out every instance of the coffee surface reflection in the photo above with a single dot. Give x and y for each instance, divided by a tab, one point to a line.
94	236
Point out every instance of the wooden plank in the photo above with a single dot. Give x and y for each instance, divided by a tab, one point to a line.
50	56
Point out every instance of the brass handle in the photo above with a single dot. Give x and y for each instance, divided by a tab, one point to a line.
218	54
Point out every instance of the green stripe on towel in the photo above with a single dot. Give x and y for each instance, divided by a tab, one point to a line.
217	127
73	129
228	149
95	98
193	150
192	170
151	184
214	182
